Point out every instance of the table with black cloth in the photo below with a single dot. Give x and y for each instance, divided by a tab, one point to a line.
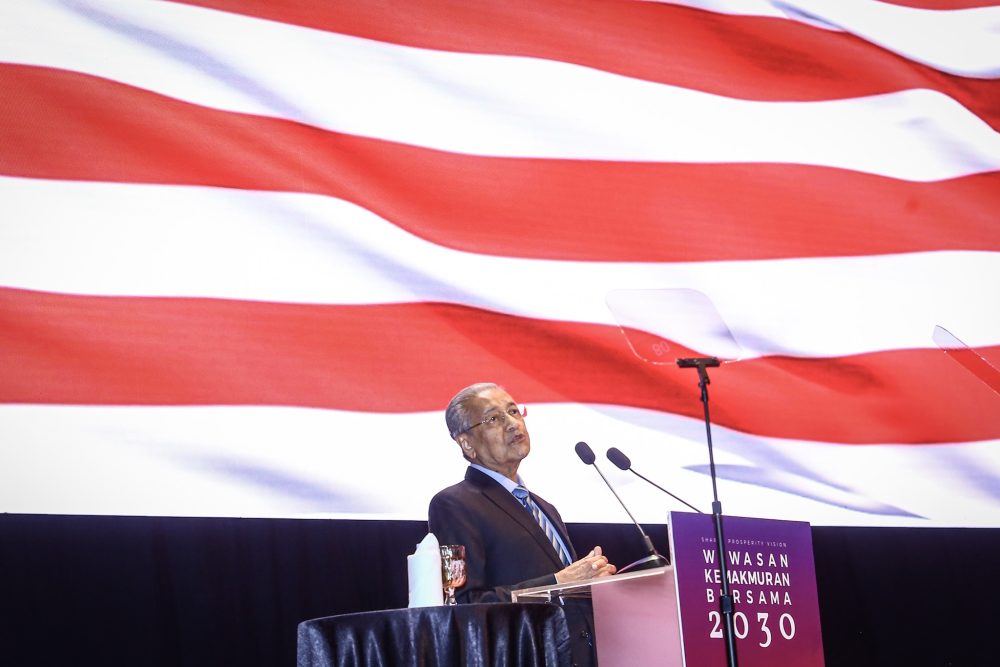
494	635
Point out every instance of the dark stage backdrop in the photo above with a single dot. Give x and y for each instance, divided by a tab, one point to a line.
177	591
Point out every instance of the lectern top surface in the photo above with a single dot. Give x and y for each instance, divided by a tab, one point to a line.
582	589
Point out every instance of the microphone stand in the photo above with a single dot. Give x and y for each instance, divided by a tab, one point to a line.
652	558
726	599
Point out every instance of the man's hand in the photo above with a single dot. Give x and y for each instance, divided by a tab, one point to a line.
594	564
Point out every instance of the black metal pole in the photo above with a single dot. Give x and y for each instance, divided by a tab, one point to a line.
726	599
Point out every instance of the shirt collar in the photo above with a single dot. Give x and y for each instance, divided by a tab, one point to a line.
505	482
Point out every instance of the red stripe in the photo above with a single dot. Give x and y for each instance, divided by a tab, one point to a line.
400	358
63	125
747	57
974	362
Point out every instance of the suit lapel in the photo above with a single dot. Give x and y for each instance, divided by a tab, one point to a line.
509	505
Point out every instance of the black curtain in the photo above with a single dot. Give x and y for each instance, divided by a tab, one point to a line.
181	591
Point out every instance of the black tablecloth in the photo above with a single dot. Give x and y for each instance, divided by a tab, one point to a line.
473	635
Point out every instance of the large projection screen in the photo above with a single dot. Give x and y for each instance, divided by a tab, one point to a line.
249	250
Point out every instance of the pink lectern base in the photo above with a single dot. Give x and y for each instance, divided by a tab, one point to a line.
636	621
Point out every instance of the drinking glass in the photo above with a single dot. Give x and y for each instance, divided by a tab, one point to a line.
452	570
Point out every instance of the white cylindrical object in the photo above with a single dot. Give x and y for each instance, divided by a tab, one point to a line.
423	568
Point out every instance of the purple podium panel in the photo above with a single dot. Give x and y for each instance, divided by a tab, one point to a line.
772	578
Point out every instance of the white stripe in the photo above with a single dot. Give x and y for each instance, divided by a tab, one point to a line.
964	42
144	240
241	461
957	41
484	104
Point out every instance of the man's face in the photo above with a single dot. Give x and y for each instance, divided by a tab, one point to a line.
499	446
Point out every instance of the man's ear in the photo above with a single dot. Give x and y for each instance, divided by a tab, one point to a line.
467	450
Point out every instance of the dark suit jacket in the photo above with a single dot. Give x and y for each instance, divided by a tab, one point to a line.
505	549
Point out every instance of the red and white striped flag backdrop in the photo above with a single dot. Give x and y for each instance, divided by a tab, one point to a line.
249	249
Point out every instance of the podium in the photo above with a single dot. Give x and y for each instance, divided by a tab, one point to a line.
670	615
635	615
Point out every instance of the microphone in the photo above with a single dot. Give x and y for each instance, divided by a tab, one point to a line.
586	455
654	559
698	362
618	457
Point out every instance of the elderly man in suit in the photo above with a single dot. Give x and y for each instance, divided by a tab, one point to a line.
513	539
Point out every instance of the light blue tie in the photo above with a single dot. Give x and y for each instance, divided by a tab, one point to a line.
522	495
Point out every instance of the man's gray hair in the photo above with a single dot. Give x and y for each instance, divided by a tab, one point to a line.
457	415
